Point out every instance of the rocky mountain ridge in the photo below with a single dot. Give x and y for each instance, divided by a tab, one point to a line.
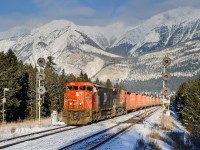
130	56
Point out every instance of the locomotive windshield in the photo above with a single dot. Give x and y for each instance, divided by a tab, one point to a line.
89	88
82	87
69	88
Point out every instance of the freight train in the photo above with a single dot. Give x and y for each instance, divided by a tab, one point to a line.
85	102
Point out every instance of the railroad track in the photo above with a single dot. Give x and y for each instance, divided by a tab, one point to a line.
33	136
99	138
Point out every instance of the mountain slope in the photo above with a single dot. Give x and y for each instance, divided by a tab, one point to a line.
72	49
82	48
161	31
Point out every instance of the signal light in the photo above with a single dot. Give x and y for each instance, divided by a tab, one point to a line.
41	62
166	91
40	76
41	90
166	76
166	61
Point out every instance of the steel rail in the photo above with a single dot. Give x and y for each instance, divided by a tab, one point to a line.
31	134
37	137
121	131
76	143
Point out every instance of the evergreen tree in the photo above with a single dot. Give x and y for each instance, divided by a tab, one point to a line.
191	108
83	77
3	77
50	63
119	86
22	95
62	80
71	78
51	101
31	93
187	103
108	83
97	81
13	83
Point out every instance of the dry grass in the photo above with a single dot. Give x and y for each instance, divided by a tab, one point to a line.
155	135
29	122
12	128
154	145
142	145
167	123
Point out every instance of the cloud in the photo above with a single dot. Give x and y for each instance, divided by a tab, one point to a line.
68	12
91	12
18	19
136	11
61	8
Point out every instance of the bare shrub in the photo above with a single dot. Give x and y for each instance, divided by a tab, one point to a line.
12	130
178	142
167	123
195	137
155	135
141	145
153	145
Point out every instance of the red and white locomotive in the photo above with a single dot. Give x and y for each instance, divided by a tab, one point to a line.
85	102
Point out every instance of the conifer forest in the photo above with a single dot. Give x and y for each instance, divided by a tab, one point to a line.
20	79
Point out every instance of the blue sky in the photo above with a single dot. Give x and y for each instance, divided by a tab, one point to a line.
84	12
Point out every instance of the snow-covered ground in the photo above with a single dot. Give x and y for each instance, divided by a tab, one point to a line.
127	140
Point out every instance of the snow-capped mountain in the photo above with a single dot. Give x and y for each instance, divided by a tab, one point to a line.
76	48
73	49
161	31
106	35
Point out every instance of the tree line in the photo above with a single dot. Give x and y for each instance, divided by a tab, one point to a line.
187	105
20	78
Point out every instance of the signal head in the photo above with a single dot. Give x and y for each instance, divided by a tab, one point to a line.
41	62
167	61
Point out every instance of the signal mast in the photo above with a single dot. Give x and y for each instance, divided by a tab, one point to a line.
166	76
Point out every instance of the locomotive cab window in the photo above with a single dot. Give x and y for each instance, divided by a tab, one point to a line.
69	88
89	88
75	87
82	88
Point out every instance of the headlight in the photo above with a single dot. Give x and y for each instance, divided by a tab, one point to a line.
87	97
67	97
70	103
